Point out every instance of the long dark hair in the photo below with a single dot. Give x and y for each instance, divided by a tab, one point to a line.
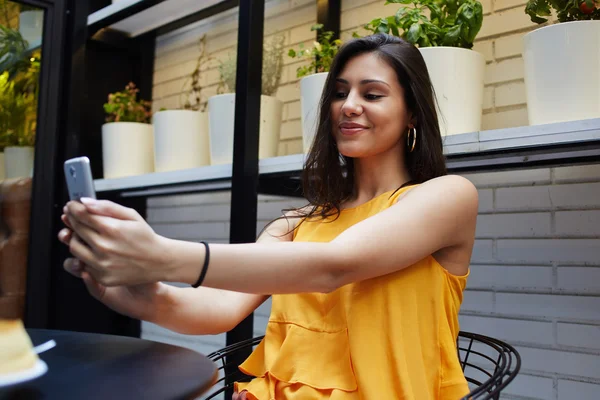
328	177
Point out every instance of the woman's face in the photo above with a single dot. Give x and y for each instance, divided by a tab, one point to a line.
368	111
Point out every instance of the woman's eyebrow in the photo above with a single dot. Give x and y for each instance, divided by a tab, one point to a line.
363	82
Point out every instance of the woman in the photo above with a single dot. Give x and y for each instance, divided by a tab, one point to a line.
367	281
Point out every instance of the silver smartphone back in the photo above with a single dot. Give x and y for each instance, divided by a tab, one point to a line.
80	182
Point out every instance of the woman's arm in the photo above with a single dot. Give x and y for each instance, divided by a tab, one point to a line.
439	214
208	311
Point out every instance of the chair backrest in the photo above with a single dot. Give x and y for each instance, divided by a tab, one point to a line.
489	364
15	205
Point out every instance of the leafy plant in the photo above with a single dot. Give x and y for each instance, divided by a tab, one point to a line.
566	10
453	23
124	106
17	115
13	49
195	91
271	71
321	54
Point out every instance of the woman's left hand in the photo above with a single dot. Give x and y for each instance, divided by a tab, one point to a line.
115	243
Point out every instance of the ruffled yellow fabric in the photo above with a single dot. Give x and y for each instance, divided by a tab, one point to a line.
391	337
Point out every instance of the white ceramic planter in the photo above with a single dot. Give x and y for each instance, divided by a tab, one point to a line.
221	115
2	174
562	79
457	76
18	162
180	140
311	89
31	25
127	149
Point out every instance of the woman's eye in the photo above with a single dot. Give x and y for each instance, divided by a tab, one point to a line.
372	96
340	95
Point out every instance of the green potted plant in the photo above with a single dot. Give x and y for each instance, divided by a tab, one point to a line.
562	61
17	128
444	31
221	107
313	76
127	135
181	134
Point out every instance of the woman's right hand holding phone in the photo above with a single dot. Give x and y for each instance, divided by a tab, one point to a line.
137	302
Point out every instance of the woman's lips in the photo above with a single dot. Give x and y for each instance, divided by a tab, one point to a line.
351	128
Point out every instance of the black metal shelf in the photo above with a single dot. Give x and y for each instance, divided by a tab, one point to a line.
521	147
139	17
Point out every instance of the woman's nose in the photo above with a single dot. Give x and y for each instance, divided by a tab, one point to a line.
352	106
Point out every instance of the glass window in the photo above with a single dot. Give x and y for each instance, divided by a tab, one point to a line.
21	28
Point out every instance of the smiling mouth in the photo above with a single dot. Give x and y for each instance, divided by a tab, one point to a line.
351	128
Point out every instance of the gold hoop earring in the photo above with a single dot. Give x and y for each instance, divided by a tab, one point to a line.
411	147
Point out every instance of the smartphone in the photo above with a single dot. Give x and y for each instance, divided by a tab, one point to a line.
79	178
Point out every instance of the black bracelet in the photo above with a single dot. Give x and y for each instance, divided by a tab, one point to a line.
204	267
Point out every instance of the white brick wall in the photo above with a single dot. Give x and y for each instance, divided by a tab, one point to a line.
500	41
535	273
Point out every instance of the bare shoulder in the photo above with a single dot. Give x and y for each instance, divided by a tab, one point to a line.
450	190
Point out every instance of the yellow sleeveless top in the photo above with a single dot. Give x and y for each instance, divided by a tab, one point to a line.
390	337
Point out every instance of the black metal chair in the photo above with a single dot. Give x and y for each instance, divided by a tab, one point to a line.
489	365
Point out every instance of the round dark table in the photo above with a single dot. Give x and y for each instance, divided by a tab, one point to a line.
94	366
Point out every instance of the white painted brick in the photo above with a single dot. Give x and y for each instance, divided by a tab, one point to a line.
488	97
576	195
523	198
294	146
509	277
359	16
486	48
557	306
505	22
513	225
577	173
282	149
579	335
505	119
560	362
293	110
287	20
302	33
260	325
508	46
291	129
580	390
174	72
579	279
511	94
504	71
487	6
578	251
483	251
350	4
531	387
204	213
190	199
512	178
510	330
578	223
477	301
194	231
486	200
289	92
500	5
